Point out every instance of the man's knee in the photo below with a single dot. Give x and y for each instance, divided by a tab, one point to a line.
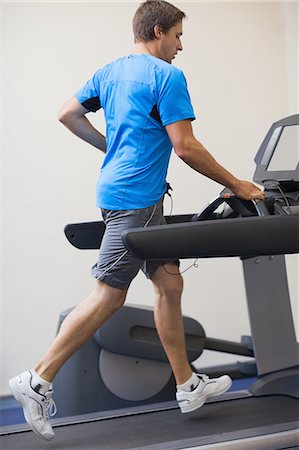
174	289
108	296
168	284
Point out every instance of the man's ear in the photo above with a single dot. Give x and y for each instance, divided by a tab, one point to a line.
158	31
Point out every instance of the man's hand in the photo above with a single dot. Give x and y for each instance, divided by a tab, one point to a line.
248	191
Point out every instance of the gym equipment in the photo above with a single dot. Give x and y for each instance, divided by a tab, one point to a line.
272	230
244	237
127	366
124	351
249	423
258	232
243	421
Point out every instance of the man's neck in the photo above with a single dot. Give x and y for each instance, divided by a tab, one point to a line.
147	48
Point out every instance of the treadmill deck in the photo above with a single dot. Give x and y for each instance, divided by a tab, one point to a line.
168	429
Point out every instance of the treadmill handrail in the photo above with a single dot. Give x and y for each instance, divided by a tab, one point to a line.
243	237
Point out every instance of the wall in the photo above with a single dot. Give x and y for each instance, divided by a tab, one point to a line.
239	61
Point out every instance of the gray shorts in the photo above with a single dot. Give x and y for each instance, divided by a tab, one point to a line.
116	266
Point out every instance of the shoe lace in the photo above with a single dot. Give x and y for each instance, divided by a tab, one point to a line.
50	408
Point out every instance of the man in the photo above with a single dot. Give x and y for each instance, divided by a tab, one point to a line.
148	112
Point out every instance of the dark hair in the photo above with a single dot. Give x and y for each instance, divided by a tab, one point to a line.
151	13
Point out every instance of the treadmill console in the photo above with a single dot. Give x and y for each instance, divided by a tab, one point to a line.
276	161
277	167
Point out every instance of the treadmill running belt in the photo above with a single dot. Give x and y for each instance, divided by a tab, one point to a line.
215	422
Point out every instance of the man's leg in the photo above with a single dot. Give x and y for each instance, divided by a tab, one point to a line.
33	389
192	389
169	321
79	326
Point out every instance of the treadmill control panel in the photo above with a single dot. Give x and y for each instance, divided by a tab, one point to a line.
277	158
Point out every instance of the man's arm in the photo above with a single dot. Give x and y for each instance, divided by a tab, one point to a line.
72	115
193	153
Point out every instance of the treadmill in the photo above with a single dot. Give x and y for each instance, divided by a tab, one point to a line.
267	415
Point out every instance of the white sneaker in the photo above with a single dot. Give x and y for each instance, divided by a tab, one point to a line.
37	407
207	387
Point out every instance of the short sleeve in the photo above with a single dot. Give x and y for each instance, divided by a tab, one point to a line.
88	95
173	99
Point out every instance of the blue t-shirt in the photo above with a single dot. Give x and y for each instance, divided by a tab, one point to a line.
139	94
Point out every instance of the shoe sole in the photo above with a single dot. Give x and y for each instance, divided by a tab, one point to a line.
19	396
202	400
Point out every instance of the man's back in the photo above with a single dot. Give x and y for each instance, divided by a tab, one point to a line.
140	94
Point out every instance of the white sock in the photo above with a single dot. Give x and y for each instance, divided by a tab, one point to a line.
39	384
190	384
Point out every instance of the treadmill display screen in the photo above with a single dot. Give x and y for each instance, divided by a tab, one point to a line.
286	153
